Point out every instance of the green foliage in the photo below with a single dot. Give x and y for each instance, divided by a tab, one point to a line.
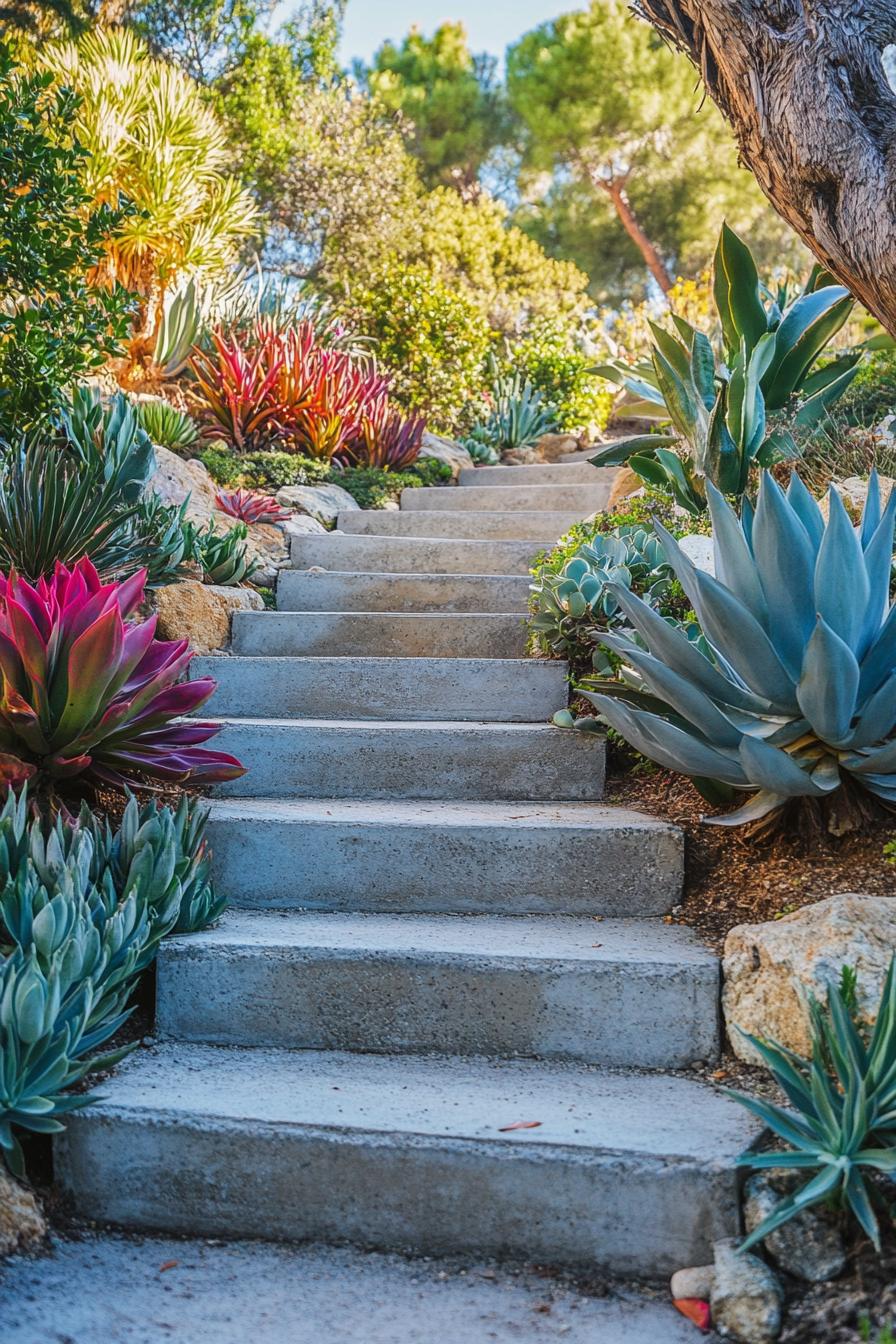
795	691
552	360
83	908
204	37
616	117
167	426
479	444
732	411
224	556
432	340
884	1336
160	539
449	98
180	326
843	1123
372	487
55	325
872	393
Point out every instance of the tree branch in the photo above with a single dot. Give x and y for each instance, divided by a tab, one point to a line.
803	85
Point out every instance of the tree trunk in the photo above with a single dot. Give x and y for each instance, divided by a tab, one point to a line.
615	189
802	83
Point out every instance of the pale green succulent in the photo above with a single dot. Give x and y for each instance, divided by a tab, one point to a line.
794	690
224	556
166	425
581	592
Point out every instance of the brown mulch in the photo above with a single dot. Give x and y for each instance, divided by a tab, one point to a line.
732	878
856	1307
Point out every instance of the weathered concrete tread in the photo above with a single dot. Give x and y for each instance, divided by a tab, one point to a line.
576	498
330	590
642	996
498	523
376	759
379	634
418	555
626	1171
540	473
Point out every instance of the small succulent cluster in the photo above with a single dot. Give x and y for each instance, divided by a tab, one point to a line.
83	908
842	1128
223	557
166	425
579	597
288	390
250	507
517	416
794	689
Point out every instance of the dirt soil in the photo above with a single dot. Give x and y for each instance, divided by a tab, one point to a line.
734	879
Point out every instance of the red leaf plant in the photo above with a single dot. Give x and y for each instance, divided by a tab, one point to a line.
84	693
286	390
250	507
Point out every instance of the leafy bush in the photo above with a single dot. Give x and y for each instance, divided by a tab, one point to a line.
223	556
549	357
167	426
795	693
55	325
432	340
90	698
843	1125
83	908
731	412
872	393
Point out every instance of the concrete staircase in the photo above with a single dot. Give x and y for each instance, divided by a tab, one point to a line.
439	1013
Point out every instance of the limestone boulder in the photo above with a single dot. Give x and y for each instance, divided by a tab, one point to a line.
323	502
699	551
176	480
201	612
22	1222
303	525
770	968
453	454
854	491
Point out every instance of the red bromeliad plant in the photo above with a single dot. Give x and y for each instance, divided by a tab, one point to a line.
293	393
250	507
83	694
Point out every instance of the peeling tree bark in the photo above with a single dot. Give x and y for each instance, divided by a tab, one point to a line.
803	85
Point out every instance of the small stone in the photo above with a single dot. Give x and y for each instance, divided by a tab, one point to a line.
303	525
746	1298
808	1246
323	502
201	612
22	1222
769	968
693	1282
445	450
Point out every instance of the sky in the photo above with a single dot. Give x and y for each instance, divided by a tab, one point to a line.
492	24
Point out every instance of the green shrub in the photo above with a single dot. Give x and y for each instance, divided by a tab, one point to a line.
431	338
55	327
83	907
872	393
372	487
556	366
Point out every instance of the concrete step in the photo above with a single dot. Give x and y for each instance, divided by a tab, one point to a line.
416	555
622	993
580	500
324	590
314	758
626	1172
511	524
438	857
376	634
513	690
540	473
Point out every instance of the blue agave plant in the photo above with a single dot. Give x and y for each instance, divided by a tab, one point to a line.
794	690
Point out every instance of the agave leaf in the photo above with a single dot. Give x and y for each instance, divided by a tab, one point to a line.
813	1192
781	546
686	410
775	771
814	408
736	291
619	452
828	685
805	506
878	552
666	744
841	579
807	326
734	564
857	1195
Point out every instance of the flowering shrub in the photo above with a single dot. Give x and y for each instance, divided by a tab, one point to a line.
287	391
82	694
